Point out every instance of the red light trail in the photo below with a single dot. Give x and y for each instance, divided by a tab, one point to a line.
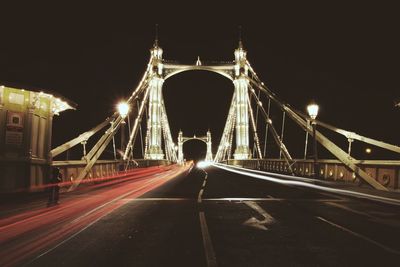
29	233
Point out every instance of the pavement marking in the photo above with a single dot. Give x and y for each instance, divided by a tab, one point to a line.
359	236
200	194
386	221
343	207
256	223
240	199
202	188
208	247
157	199
267	217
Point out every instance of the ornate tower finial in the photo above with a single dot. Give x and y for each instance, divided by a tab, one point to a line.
240	36
198	62
156	36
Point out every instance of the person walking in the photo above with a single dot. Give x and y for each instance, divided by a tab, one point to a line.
54	195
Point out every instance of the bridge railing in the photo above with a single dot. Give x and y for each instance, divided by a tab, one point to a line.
70	169
386	172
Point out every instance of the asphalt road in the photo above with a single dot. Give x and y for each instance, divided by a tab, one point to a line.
233	220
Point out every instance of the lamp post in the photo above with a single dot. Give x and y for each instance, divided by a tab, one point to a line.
123	109
312	110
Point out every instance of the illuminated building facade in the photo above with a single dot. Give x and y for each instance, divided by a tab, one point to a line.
25	136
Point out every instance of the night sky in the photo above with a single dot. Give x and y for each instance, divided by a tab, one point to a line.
344	57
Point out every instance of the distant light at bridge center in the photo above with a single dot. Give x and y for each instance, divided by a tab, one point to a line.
203	164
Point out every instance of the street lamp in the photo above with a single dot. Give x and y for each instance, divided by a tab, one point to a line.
312	110
123	110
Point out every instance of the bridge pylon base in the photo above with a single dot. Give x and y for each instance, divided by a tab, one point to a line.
242	153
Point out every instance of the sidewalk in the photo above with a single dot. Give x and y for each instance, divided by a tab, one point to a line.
13	203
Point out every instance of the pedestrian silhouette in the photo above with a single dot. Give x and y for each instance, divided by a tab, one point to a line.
54	195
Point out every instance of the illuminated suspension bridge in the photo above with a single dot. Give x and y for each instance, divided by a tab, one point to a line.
242	207
251	100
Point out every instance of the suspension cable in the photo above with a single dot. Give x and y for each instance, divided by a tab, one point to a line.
306	141
132	137
222	148
256	141
231	136
282	131
257	110
266	128
140	130
286	154
115	152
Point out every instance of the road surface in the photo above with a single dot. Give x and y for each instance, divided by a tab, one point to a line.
219	218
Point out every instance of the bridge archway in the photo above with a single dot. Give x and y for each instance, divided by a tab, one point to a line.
205	139
224	71
236	71
206	100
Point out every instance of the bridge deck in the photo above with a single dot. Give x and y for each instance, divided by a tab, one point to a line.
205	219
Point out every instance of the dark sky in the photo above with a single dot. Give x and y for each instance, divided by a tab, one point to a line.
345	57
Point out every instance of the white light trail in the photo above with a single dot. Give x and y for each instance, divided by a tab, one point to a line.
290	181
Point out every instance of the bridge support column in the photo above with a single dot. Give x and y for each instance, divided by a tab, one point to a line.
180	147
209	156
242	110
155	151
155	101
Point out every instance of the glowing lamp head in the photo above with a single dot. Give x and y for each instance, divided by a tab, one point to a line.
312	110
368	150
123	109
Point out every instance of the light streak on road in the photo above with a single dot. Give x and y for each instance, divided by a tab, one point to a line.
29	233
296	181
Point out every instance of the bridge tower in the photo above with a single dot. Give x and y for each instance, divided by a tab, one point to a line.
209	156
155	104
206	139
242	110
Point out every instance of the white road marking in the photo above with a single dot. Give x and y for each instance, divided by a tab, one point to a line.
200	194
359	236
240	199
208	247
268	219
157	199
343	207
254	222
202	188
387	221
